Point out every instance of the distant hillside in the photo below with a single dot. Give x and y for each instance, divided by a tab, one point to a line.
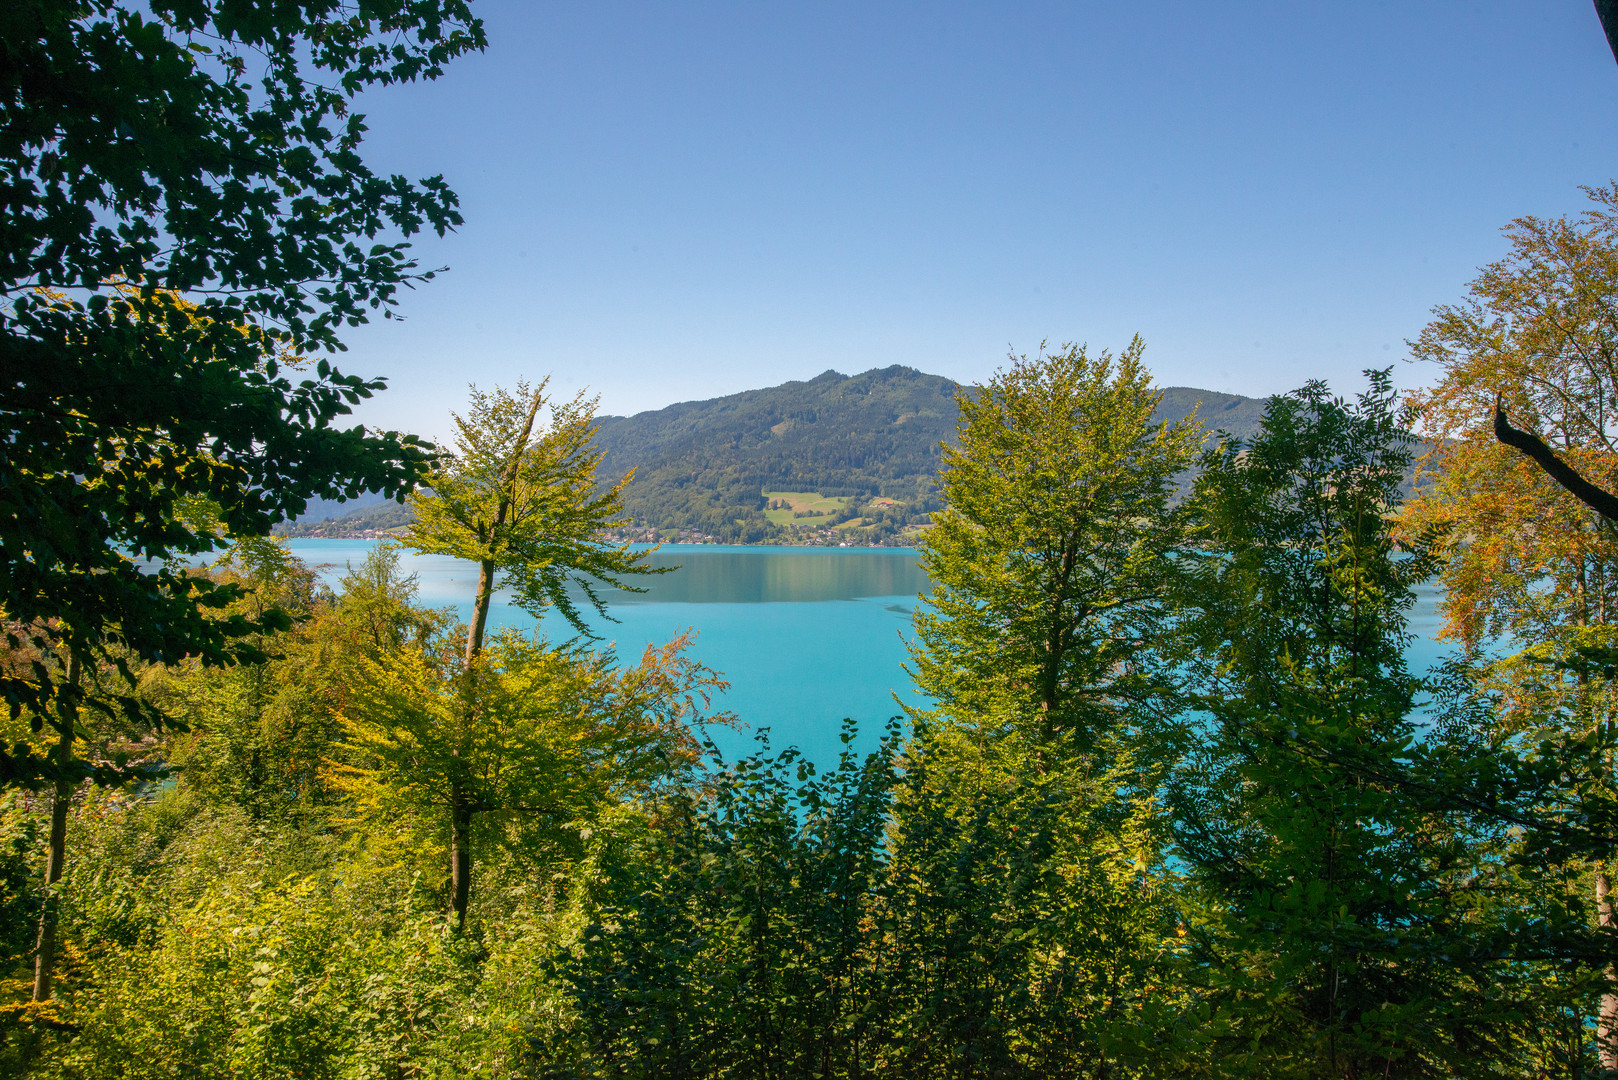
740	468
371	518
704	465
872	439
1240	416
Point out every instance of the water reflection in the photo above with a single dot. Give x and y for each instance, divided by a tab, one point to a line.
733	575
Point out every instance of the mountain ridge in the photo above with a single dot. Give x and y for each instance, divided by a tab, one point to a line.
732	468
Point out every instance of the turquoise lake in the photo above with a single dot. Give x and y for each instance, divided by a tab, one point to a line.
805	636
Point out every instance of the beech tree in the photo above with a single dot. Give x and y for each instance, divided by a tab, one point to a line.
521	502
1355	904
1537	331
184	208
531	743
1030	918
1530	564
518	497
1048	562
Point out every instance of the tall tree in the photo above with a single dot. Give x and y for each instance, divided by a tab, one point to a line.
1048	562
1534	341
1028	922
1538	331
1347	923
1530	560
208	150
521	502
518	497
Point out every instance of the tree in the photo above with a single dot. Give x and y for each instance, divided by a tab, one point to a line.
1028	912
524	506
1539	330
1531	563
1535	340
1348	919
1047	563
159	152
1607	12
256	735
535	741
1597	498
735	936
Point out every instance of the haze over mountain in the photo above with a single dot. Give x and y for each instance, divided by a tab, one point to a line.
704	466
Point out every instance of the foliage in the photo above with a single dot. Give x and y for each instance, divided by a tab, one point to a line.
538	740
737	937
1047	564
1261	871
274	960
1530	571
1030	897
1030	922
523	505
1525	559
1347	921
161	151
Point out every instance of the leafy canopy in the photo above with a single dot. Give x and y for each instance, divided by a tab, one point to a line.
1525	560
184	204
523	503
1048	561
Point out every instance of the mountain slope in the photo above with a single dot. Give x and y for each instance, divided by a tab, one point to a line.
1233	413
704	466
869	441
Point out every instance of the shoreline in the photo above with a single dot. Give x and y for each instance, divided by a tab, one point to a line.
909	539
909	542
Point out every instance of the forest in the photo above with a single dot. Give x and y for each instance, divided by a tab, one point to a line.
1177	808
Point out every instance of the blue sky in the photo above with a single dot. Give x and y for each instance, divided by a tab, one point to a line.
667	202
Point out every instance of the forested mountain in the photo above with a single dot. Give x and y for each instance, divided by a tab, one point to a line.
876	433
705	465
870	440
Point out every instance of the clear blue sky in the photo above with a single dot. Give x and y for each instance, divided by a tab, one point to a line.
667	202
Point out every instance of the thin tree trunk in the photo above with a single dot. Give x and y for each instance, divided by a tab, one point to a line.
1607	1029
480	610
62	797
508	478
460	826
460	855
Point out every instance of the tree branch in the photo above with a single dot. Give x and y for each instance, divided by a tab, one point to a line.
1602	502
1607	12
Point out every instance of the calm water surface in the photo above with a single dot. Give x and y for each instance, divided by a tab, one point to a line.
806	636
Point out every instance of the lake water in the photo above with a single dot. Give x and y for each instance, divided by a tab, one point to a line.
805	636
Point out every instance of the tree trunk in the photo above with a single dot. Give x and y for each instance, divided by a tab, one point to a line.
460	854
508	477
460	801
1607	1029
480	610
62	798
